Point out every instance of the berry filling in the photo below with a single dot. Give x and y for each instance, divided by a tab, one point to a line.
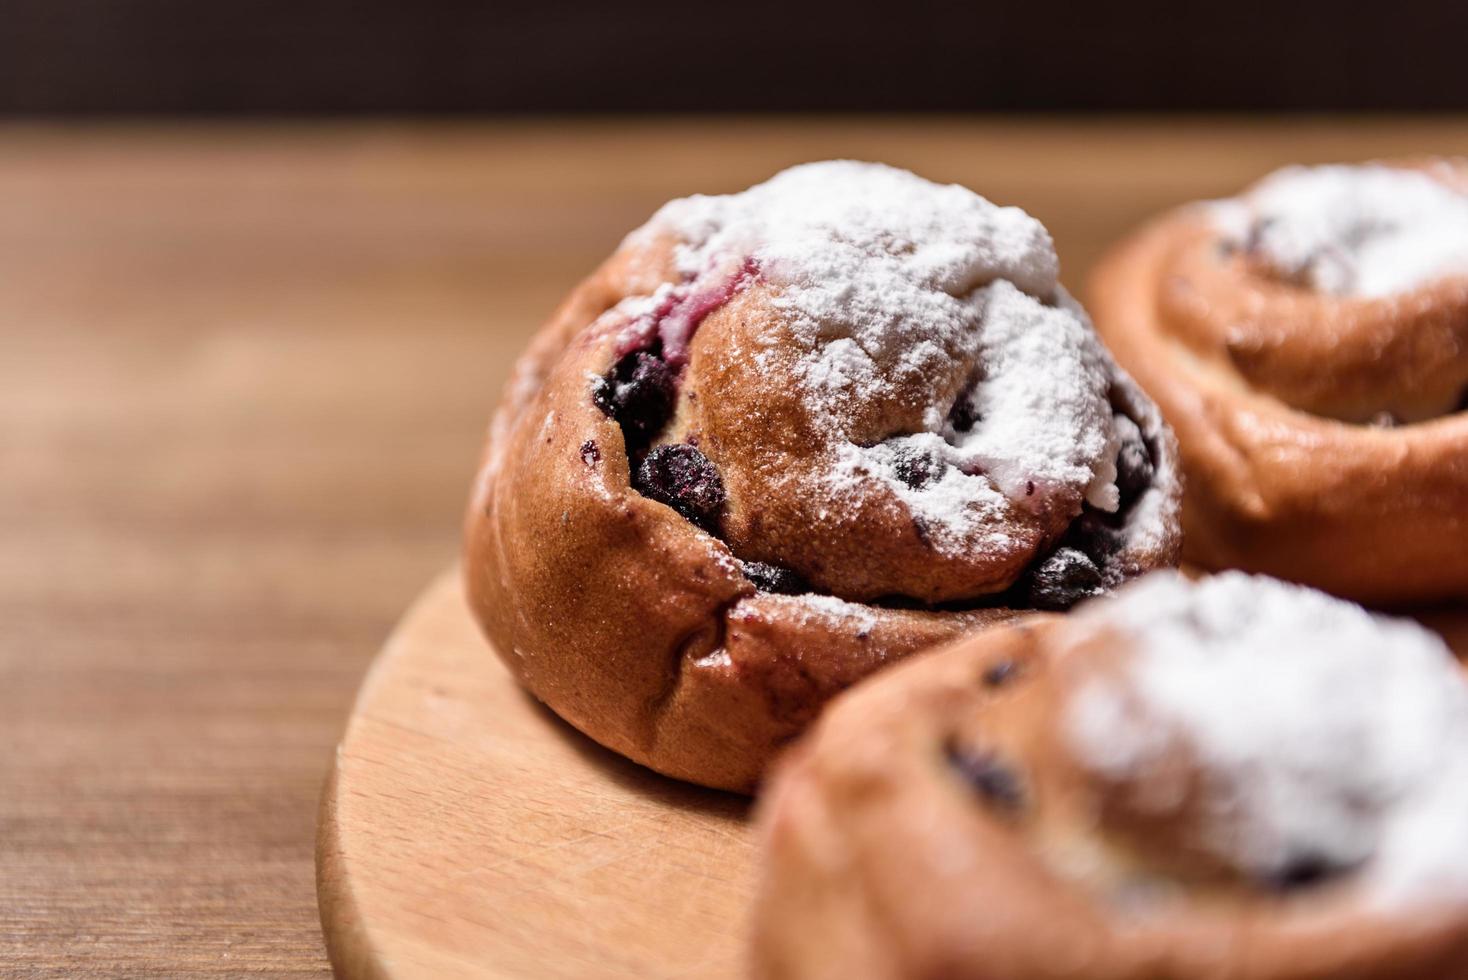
638	395
994	781
684	479
964	414
1063	579
917	469
671	324
1074	570
773	578
1304	871
681	320
1134	469
1096	533
1000	674
640	390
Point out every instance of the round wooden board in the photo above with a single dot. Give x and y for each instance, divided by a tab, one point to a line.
468	832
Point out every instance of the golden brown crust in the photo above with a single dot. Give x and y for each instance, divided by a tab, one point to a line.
1267	386
833	548
640	628
613	609
882	859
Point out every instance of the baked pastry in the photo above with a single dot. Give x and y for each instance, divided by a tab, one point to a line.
1233	778
1309	343
783	437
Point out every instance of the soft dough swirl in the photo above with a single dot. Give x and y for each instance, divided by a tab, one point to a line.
785	436
1309	342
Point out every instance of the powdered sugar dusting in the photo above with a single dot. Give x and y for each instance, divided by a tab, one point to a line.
1327	733
1042	409
839	610
1363	231
888	280
828	609
957	509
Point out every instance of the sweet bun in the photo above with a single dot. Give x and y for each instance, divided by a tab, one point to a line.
1235	778
1309	343
785	437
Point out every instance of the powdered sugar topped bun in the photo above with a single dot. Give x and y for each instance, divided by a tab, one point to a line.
1365	231
1330	741
783	438
1308	341
899	374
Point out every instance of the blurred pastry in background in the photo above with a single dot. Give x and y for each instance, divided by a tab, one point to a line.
1308	341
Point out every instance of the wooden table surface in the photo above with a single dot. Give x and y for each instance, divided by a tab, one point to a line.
244	371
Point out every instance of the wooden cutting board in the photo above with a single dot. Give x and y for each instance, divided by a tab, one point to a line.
467	831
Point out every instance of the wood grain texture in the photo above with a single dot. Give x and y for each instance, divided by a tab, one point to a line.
244	372
468	832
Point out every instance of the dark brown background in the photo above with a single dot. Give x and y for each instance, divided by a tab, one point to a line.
456	56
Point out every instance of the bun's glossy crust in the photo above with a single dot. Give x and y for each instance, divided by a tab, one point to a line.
881	859
634	624
1269	387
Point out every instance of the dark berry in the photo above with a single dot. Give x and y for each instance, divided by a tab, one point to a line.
638	394
916	468
1301	871
1096	533
963	416
590	452
773	578
1063	579
1134	470
684	479
996	782
997	675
